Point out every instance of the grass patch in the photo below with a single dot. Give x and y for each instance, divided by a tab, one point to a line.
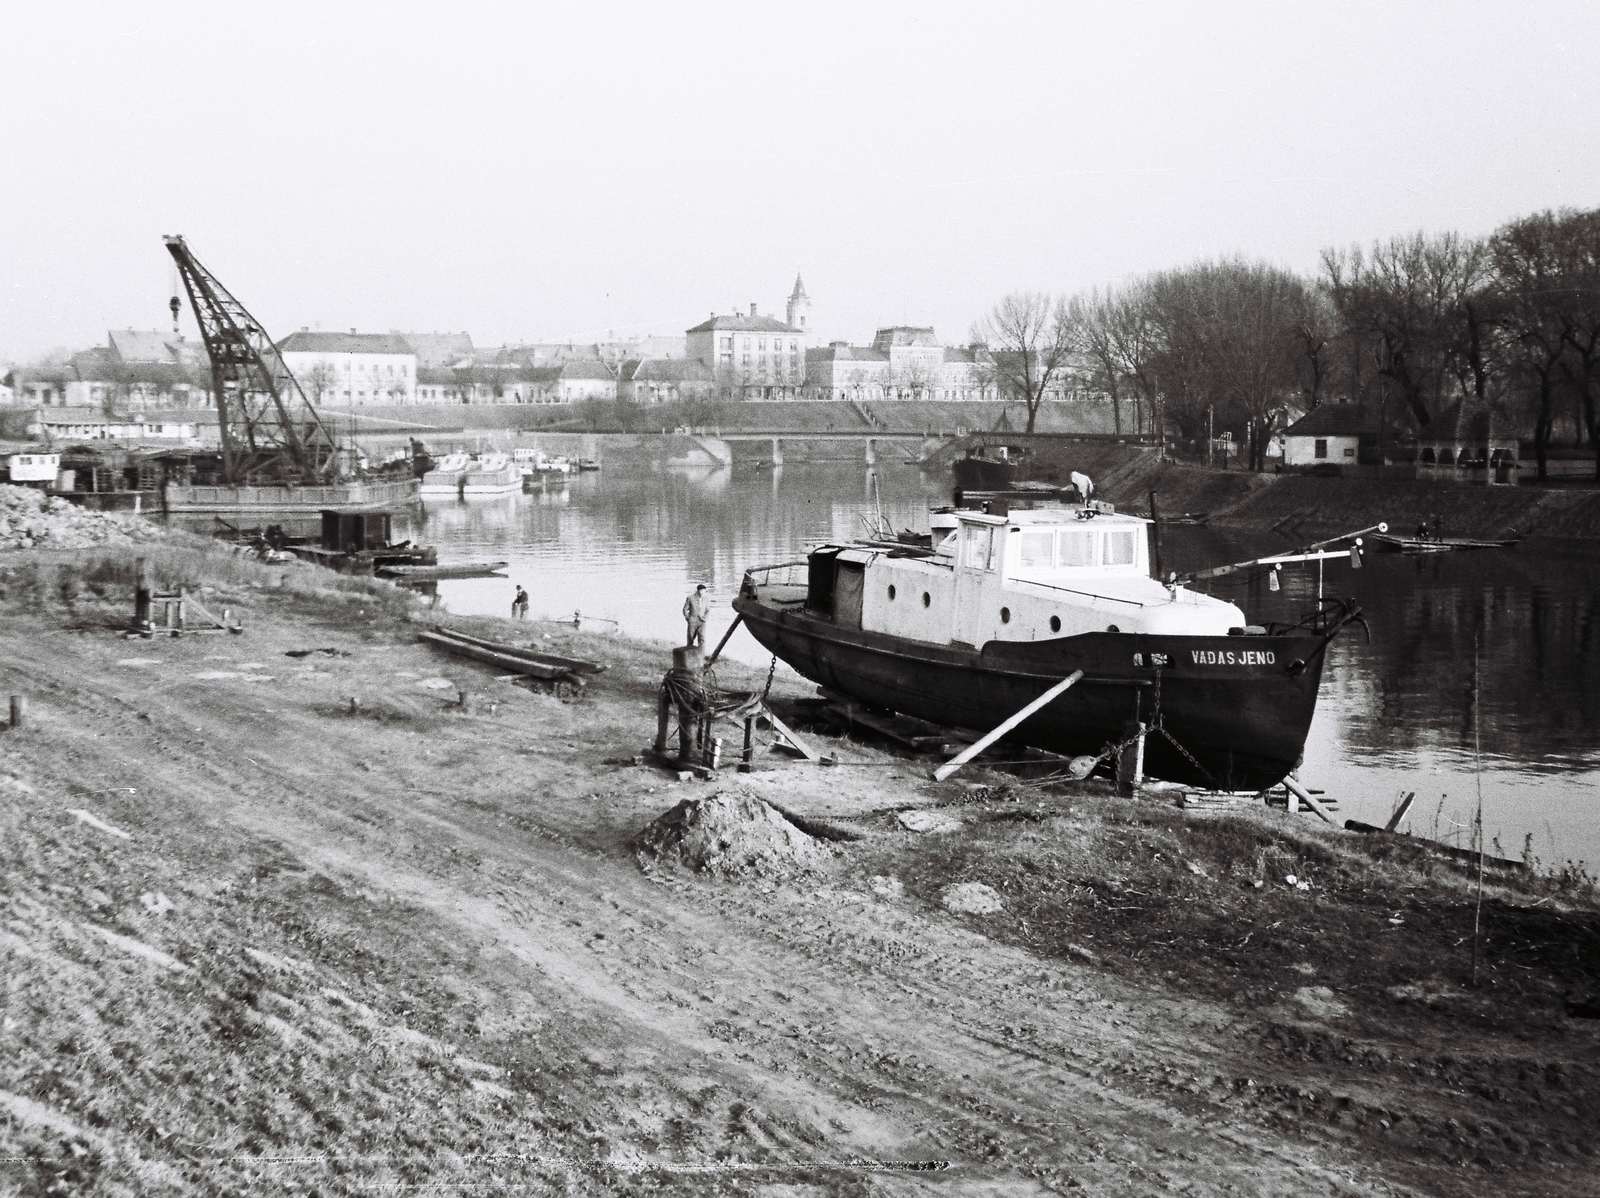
1203	904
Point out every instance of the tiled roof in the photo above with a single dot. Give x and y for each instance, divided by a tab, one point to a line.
671	370
591	368
1333	420
439	349
846	353
344	343
904	335
141	345
743	324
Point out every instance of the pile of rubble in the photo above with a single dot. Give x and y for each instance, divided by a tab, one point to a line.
730	834
31	519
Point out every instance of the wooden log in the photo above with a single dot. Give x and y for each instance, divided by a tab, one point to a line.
1450	850
1300	792
748	753
663	718
19	710
1400	812
784	731
988	738
717	652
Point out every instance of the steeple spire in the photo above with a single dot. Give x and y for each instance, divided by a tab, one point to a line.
799	303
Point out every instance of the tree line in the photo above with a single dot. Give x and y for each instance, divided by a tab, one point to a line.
1408	327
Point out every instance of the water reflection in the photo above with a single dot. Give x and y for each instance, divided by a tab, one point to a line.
1396	715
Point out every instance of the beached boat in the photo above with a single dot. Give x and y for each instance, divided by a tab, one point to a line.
424	572
514	659
447	476
1394	543
1009	605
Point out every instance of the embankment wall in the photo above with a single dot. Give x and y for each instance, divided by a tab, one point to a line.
1297	502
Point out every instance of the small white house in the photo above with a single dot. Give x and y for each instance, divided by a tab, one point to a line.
1330	434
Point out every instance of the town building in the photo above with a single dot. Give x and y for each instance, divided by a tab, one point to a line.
903	362
798	312
1330	434
583	379
754	356
665	380
351	369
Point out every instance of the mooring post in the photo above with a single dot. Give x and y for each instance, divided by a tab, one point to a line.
141	595
663	716
1130	761
19	710
748	754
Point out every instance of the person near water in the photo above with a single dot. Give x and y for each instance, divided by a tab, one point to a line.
519	605
1084	485
694	615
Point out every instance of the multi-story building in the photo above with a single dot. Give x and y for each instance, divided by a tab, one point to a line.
754	356
439	350
351	368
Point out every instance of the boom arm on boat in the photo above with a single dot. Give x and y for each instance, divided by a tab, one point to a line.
1315	552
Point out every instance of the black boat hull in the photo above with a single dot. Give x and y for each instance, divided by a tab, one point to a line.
1239	707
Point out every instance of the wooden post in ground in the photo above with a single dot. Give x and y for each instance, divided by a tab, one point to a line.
1400	812
1130	762
747	756
19	710
663	717
984	741
141	595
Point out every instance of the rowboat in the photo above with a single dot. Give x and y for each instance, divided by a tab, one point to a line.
513	659
1393	543
450	570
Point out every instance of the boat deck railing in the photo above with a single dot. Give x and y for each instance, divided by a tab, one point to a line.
1050	586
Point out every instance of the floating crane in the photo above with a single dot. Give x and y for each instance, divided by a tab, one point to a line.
270	431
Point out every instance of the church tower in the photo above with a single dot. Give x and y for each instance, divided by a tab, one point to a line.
799	304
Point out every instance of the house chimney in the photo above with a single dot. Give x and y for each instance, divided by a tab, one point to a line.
352	332
752	309
305	328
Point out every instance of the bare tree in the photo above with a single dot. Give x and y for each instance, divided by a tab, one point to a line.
1030	336
1409	295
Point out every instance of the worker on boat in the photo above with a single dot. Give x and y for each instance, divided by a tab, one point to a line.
694	615
519	605
1084	485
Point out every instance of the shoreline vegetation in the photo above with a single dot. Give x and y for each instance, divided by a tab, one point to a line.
259	938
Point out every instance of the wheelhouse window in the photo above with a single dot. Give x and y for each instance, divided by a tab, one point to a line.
1038	550
1077	548
1119	548
980	548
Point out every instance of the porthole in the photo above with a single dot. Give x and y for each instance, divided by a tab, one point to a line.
891	592
926	599
1055	623
1112	628
1005	615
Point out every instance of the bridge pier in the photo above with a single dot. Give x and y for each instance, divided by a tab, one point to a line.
777	451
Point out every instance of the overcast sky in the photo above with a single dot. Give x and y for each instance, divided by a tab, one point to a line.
540	171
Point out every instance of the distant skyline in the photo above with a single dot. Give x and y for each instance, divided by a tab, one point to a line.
547	172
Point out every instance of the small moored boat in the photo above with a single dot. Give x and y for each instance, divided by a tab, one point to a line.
1395	543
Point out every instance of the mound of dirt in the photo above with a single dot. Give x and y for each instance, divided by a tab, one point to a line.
30	518
730	834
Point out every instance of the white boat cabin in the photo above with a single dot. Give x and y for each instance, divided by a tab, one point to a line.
1027	576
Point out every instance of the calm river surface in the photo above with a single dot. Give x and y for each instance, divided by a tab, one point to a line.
1395	715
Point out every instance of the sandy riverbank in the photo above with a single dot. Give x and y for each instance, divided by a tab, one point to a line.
256	943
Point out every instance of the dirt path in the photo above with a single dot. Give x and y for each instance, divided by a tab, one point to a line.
828	1022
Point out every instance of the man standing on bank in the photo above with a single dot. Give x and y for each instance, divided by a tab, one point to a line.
694	615
519	605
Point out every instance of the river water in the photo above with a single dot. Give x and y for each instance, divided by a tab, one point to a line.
1395	715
